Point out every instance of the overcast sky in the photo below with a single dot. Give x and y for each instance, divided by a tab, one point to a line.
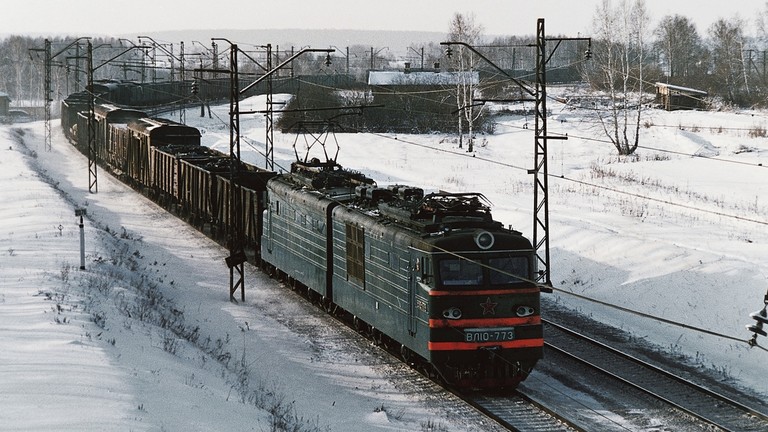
498	17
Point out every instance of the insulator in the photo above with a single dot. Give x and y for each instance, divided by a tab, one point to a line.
757	329
760	316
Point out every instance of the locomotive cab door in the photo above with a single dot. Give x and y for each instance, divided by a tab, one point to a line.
414	277
273	207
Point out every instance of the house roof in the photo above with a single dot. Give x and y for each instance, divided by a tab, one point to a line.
671	87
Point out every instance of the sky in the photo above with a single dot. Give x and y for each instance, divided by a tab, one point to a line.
498	17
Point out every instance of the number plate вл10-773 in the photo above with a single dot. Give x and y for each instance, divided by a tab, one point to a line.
499	334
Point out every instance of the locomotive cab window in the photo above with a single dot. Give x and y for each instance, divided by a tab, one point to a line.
508	270
472	271
460	272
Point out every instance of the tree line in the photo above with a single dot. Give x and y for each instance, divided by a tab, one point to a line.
729	59
725	60
629	53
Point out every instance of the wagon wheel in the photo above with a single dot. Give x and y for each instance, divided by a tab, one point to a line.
315	298
377	336
328	305
269	269
407	355
429	371
358	324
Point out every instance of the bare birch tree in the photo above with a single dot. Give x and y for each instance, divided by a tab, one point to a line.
681	50
18	58
727	40
619	55
464	29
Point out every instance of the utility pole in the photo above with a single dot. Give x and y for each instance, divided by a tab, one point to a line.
203	95
47	60
47	95
93	185
237	257
215	54
540	169
47	90
182	105
269	117
270	71
77	67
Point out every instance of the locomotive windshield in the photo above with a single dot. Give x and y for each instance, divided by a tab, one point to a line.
500	270
460	272
507	270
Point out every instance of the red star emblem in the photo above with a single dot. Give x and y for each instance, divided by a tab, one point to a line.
489	307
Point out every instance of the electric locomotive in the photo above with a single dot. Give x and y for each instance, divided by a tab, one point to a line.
434	273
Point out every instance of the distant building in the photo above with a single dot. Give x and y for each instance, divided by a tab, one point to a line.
672	97
5	103
414	78
415	101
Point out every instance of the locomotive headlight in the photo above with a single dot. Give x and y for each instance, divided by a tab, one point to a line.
524	311
452	313
484	240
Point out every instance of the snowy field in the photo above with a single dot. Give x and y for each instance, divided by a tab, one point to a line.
146	339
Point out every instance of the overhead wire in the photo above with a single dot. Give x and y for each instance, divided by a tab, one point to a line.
564	291
559	290
584	183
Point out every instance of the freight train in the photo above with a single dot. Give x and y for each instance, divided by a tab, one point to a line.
430	275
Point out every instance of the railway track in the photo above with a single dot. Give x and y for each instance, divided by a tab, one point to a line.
519	413
703	405
706	409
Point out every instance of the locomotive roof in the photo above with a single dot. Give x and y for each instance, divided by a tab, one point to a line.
404	205
436	212
327	177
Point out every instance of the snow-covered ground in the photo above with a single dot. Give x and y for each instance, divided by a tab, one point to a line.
145	337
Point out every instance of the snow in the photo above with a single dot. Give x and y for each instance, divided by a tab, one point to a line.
145	338
110	347
434	78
